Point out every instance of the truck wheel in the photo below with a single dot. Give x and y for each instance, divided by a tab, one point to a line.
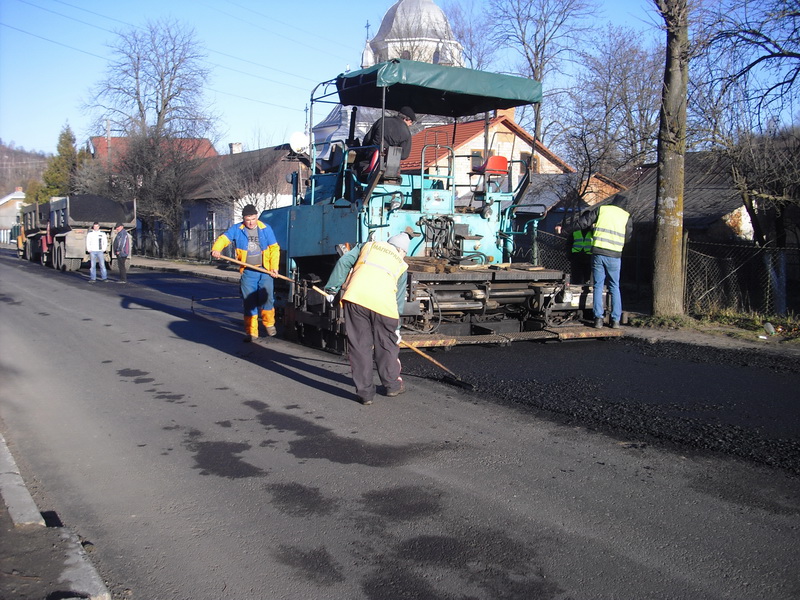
72	264
58	257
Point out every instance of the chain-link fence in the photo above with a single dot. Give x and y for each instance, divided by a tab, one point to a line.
737	277
742	278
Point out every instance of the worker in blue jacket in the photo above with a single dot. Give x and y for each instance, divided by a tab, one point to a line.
255	245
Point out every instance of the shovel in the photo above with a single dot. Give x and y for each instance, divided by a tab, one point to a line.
454	379
254	267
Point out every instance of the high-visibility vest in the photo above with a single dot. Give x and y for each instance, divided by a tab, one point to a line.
373	281
609	229
581	242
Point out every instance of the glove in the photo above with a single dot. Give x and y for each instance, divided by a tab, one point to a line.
397	333
330	298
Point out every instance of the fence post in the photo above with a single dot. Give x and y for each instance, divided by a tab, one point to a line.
684	265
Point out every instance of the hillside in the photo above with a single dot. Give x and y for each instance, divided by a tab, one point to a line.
19	166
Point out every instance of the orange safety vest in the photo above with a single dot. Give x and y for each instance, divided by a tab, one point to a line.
373	281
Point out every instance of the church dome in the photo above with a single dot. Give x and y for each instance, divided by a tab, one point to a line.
417	18
414	29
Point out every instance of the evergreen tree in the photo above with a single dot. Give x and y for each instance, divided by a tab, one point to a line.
61	168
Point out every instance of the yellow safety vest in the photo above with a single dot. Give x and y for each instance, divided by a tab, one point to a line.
580	242
373	282
609	229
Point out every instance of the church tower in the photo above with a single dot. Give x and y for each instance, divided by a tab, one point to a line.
415	30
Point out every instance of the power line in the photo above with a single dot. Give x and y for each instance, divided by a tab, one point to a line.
53	41
254	100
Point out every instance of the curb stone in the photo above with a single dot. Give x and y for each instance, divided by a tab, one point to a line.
77	571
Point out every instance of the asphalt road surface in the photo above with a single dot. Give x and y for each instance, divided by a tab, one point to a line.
198	467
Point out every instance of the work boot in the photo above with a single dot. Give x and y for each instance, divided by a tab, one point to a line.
614	324
268	320
250	328
365	401
598	323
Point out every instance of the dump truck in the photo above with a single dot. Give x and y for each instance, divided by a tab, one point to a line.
465	285
54	233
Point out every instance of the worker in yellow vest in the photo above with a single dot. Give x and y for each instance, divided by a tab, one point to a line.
611	229
373	300
580	256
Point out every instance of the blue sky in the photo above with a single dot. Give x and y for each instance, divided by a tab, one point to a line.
265	57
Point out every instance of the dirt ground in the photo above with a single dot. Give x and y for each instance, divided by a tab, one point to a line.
722	336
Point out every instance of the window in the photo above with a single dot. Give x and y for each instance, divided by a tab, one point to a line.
210	217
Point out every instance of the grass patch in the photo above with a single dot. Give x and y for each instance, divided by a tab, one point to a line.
737	325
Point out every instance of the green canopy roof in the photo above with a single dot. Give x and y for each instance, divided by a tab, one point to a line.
435	89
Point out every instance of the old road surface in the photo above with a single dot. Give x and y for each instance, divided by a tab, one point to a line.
196	466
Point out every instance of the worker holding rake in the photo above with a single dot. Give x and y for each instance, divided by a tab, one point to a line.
255	245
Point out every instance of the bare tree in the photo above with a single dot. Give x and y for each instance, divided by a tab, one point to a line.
545	34
668	243
470	27
763	37
744	86
155	83
614	103
153	93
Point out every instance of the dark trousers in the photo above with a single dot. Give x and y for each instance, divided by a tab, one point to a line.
581	268
372	337
122	268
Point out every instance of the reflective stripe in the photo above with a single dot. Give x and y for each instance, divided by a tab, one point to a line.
581	243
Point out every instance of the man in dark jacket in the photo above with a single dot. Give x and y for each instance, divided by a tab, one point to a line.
388	131
122	250
611	230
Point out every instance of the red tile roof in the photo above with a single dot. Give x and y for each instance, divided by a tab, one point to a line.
465	133
197	147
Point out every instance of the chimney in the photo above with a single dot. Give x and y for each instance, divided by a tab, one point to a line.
19	189
236	147
508	113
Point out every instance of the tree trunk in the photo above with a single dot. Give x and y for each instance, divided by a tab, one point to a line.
667	251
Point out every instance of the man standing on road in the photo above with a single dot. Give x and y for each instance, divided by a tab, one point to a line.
255	245
122	250
96	246
374	297
611	230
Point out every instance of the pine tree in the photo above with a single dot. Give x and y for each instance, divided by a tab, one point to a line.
61	168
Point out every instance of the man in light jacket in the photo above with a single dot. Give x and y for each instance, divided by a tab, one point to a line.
96	246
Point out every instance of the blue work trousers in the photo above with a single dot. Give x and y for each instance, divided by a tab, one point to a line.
257	292
606	270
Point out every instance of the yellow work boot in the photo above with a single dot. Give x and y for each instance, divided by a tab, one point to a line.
250	328
268	320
